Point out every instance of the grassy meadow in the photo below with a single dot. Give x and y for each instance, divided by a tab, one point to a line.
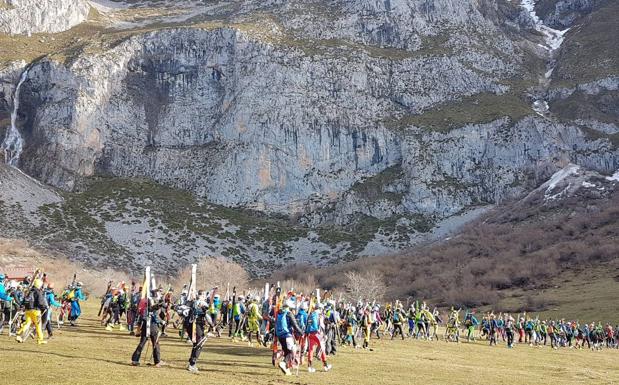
88	354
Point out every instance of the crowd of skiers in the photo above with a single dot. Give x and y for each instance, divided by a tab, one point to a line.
298	328
27	306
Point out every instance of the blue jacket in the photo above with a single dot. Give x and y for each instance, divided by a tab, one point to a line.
285	324
51	300
79	295
313	322
3	295
302	319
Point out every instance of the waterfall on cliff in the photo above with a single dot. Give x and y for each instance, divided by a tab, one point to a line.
13	142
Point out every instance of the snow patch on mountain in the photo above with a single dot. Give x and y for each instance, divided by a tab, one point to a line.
552	37
557	177
614	177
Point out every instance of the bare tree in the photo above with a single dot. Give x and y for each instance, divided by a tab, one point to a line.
216	271
368	286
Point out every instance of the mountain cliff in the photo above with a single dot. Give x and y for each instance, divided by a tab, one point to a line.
362	126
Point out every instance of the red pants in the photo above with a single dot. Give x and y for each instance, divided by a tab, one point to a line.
314	340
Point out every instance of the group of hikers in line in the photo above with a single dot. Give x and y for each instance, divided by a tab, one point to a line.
296	327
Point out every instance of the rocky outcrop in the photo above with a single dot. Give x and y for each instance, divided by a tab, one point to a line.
562	14
25	17
382	117
230	117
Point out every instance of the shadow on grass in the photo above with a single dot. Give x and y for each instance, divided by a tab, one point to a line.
81	357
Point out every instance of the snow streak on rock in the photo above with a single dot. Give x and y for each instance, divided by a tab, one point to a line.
552	37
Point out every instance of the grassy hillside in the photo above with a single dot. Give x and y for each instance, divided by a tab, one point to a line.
559	257
90	355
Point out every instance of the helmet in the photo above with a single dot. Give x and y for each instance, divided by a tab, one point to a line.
37	283
2	277
13	284
216	296
241	298
79	284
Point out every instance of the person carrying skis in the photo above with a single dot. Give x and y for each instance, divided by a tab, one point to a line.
51	301
396	320
151	308
195	325
238	312
114	311
366	324
35	303
302	321
253	319
470	322
285	326
412	311
6	300
315	325
493	329
75	299
132	312
509	330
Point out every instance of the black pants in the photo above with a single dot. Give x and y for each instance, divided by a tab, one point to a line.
154	331
397	328
47	325
375	329
331	340
510	337
114	316
131	318
492	337
198	343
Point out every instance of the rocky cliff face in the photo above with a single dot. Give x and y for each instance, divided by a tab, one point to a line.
399	113
25	17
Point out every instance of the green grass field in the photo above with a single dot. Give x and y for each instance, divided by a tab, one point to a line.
89	355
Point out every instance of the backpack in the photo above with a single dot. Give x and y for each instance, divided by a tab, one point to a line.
29	302
281	324
142	305
313	322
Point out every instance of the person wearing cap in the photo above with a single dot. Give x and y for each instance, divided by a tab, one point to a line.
285	326
34	303
51	301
